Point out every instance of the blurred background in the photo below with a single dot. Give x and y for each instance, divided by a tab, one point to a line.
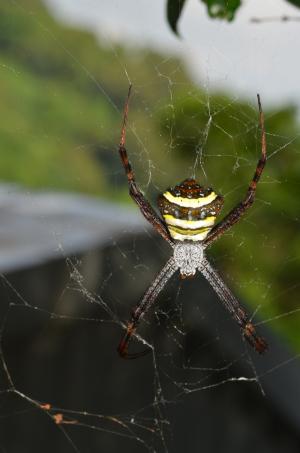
76	255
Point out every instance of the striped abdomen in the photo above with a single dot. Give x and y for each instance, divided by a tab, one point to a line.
189	210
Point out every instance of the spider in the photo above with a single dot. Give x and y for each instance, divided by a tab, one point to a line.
187	223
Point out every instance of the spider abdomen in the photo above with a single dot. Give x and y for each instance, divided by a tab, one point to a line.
189	210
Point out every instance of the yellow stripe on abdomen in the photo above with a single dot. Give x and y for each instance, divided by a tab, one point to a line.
189	224
182	234
190	202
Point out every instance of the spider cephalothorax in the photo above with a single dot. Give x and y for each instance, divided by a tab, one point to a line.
189	213
189	210
188	257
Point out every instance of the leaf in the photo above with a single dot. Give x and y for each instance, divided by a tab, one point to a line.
174	10
295	2
224	9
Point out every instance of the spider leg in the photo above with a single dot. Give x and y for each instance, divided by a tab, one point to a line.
234	307
149	298
145	207
235	214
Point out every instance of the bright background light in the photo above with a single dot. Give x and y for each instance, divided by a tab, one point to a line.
241	56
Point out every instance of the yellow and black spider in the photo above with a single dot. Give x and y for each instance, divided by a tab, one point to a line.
189	212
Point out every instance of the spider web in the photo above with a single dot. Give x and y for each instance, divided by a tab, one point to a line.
63	387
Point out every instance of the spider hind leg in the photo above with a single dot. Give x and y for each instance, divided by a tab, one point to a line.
234	307
147	301
123	346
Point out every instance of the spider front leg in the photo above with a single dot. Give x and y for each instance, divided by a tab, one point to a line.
145	207
236	213
146	302
234	307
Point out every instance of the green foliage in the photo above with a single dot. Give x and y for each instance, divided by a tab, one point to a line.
61	101
174	9
222	9
294	2
217	9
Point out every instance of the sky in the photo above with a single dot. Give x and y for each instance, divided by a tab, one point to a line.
240	56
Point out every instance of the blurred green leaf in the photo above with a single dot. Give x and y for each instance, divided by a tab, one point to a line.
174	10
222	9
295	2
